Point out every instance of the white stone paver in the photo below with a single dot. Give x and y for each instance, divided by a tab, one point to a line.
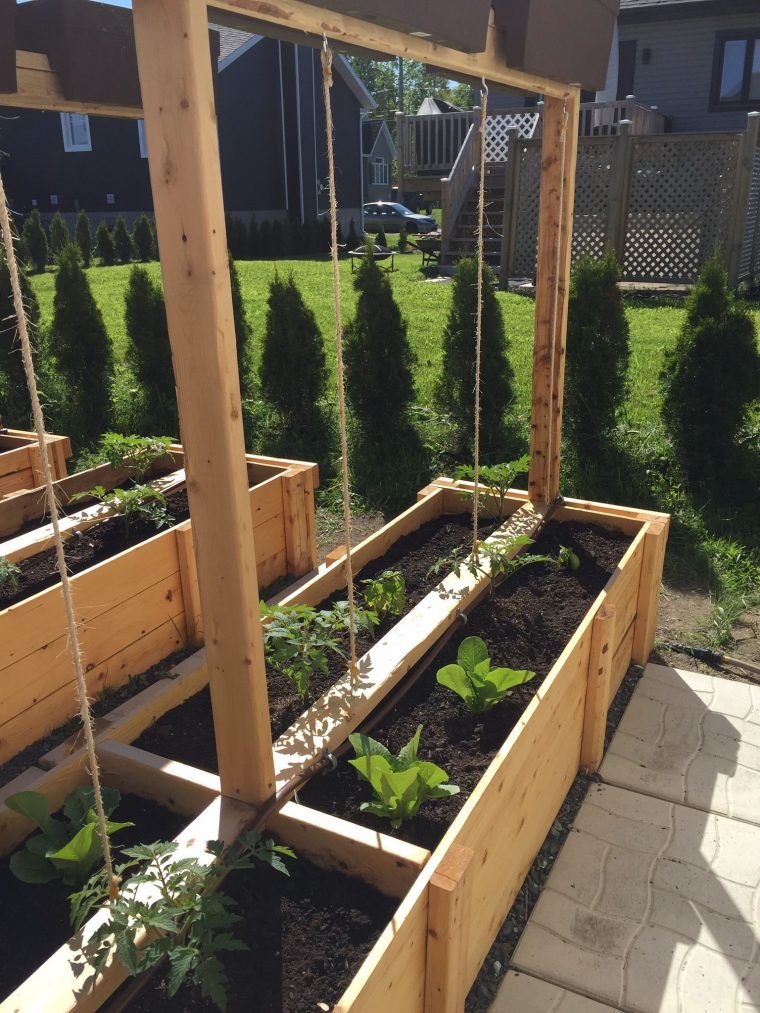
690	738
651	907
521	993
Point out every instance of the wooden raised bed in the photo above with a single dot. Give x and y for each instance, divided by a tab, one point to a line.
20	463
138	606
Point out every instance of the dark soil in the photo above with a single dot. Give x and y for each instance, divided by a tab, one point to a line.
85	549
307	936
525	625
186	734
36	918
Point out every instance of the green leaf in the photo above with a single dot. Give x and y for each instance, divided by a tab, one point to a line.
365	746
181	960
32	804
409	752
455	678
504	679
471	652
31	868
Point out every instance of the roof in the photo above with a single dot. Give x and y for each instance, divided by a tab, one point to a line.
675	8
371	130
230	40
437	105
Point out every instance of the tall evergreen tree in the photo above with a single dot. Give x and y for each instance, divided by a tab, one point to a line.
149	352
105	244
242	330
59	234
122	242
84	237
142	238
36	241
15	407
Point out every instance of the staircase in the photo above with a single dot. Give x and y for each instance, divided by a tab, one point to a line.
462	239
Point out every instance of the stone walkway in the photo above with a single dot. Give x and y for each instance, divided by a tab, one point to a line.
653	905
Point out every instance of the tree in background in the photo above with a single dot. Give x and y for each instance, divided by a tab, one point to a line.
455	390
265	240
80	352
15	408
254	242
277	239
352	240
382	80
105	245
243	336
36	241
142	238
60	236
122	242
148	351
83	236
237	238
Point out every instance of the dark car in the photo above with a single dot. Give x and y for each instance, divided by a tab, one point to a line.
392	217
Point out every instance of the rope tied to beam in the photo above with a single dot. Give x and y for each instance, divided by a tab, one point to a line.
52	505
327	81
479	313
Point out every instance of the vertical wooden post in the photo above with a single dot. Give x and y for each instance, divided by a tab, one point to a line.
655	541
300	536
740	204
180	122
598	689
448	920
511	203
620	190
555	240
188	575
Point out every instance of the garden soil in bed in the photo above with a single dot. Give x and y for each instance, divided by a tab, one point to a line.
306	934
35	919
186	734
526	625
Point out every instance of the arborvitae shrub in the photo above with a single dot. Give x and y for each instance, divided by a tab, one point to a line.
122	242
277	240
242	330
36	241
15	406
598	353
84	238
455	390
237	238
403	241
80	350
710	377
154	240
265	240
253	239
148	352
380	237
352	240
105	245
59	234
142	237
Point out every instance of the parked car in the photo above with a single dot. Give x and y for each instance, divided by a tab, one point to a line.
393	216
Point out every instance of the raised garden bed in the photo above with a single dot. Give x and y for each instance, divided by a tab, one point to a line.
20	464
138	605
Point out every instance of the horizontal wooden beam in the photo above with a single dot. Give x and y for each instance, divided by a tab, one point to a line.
348	31
38	87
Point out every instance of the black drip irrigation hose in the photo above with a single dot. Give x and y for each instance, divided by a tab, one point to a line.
329	760
713	657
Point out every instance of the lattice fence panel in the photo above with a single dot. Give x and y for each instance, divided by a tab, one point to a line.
592	197
527	209
680	205
749	264
497	132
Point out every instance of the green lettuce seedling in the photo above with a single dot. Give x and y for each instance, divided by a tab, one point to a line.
480	686
401	783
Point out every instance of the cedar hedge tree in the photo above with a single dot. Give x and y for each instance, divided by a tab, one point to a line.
80	351
122	242
83	236
455	389
142	238
380	237
148	352
242	330
598	353
105	244
59	234
15	408
352	240
36	241
254	239
237	238
710	377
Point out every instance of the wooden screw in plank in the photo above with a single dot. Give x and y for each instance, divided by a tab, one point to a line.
180	122
448	919
598	689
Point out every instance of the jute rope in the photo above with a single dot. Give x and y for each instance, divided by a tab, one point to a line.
73	638
479	314
327	81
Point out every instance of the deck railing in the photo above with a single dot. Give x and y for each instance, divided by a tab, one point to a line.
456	186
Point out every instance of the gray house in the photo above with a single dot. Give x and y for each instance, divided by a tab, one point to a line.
379	153
698	61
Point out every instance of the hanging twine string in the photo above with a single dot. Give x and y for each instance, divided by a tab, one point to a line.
558	266
479	313
73	638
327	81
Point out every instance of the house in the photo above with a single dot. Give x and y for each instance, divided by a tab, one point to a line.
379	156
271	139
698	61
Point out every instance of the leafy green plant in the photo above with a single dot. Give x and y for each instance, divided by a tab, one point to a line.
138	502
83	236
137	453
385	594
105	245
401	783
495	553
496	480
567	559
480	686
189	919
9	575
65	848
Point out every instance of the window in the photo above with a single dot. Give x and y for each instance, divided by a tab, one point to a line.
110	199
736	75
76	132
380	172
142	140
54	199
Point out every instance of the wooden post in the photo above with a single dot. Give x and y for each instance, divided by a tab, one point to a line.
449	914
740	204
300	536
620	190
598	689
555	239
188	575
180	122
652	565
511	203
401	154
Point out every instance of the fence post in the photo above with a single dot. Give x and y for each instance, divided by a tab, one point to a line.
620	190
401	154
740	205
511	204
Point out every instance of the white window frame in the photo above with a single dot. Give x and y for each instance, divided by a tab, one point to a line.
69	144
142	139
380	172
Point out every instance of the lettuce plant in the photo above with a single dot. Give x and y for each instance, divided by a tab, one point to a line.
480	686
